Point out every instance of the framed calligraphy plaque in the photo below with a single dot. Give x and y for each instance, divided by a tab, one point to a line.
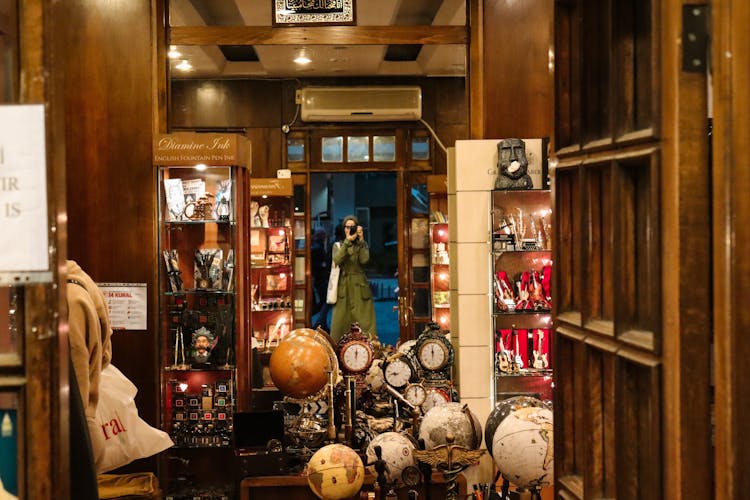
313	12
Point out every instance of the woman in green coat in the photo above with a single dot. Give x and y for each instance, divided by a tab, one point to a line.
354	300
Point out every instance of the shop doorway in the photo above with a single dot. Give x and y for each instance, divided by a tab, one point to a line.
371	197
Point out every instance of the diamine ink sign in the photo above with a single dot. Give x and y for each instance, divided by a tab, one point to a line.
187	148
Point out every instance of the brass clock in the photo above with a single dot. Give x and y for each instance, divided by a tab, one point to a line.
415	394
434	350
355	351
356	356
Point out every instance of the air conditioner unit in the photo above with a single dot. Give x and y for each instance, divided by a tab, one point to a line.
360	104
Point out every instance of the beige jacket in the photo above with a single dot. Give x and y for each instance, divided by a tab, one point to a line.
89	334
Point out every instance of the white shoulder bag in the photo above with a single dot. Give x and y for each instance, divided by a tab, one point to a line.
333	281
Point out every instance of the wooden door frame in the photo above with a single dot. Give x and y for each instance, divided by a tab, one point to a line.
42	377
406	288
730	55
686	314
402	231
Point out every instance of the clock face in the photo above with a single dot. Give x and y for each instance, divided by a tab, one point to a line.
433	354
411	476
397	373
415	394
435	397
356	357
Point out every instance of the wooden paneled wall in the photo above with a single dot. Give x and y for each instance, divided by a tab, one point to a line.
108	96
511	68
262	107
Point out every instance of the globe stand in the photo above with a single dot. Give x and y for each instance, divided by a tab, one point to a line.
380	466
451	460
505	489
426	470
505	493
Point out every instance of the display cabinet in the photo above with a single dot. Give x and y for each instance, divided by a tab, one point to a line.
521	277
439	254
271	277
202	305
301	311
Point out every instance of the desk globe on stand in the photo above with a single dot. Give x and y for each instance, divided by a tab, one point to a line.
335	472
304	368
519	437
451	419
301	362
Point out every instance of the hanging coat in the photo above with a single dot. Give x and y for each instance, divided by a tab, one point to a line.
354	301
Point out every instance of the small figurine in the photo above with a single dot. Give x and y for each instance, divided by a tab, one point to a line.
512	165
254	218
263	212
202	345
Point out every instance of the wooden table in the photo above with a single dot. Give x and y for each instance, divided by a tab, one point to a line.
296	488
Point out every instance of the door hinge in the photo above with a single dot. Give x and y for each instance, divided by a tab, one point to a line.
695	38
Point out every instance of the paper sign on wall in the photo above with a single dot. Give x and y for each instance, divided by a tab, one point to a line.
23	189
127	305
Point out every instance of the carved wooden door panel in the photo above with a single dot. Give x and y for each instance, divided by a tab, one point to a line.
631	202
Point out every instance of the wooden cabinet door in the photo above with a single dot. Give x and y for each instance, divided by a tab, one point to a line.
632	319
415	292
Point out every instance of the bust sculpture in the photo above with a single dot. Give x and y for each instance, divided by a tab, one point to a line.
512	165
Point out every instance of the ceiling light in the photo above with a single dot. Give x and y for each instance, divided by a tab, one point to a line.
184	65
302	59
173	52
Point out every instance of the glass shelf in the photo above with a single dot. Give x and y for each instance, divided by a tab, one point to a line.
197	222
536	373
170	369
520	313
197	291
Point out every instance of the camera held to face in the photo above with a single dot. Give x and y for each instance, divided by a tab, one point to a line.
352	230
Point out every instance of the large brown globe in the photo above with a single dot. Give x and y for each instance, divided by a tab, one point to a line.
300	363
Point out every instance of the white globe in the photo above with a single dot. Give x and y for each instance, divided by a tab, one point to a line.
398	452
523	449
451	418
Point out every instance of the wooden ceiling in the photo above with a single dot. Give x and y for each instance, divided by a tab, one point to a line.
237	39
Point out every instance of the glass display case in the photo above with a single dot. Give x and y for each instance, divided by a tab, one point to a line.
272	255
439	254
521	278
202	262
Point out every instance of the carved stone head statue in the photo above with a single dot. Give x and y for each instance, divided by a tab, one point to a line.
512	165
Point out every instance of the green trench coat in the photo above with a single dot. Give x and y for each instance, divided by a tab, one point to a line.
354	301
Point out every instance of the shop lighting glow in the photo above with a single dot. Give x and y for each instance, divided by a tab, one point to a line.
184	65
173	52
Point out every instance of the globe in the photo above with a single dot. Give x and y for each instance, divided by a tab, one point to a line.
334	472
451	418
502	410
396	450
522	446
301	362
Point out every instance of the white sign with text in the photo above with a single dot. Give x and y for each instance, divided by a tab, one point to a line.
126	303
23	189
